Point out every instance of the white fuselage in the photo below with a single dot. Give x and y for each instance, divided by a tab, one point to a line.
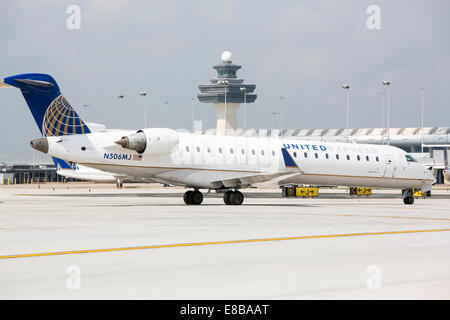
209	161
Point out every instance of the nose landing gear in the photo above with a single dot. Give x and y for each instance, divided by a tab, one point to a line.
408	197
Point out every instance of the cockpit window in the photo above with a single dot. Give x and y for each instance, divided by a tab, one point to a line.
410	158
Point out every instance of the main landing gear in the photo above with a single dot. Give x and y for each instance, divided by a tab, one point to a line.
233	197
408	197
193	197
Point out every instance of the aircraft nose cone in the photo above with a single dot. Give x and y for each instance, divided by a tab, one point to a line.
40	144
430	176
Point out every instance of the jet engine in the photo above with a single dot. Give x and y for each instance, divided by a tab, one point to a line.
150	141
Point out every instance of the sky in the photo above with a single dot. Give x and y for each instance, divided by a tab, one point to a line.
301	50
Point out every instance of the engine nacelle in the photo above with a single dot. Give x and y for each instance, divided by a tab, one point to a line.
150	141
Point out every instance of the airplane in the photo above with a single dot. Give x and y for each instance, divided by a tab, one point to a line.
223	163
75	171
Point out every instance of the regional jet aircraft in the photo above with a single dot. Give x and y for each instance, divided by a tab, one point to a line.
227	163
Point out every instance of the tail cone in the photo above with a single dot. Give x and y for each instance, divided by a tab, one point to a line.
40	144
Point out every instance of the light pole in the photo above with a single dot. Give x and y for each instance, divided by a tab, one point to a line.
382	93
281	115
387	84
121	96
423	99
165	113
244	90
274	119
144	94
192	106
346	87
224	83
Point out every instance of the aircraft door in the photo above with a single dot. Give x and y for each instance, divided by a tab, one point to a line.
389	166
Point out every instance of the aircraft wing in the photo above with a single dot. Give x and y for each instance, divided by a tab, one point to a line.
248	180
291	169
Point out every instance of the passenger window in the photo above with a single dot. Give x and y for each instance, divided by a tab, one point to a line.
242	151
306	155
295	154
358	157
262	152
187	148
198	149
337	156
376	158
253	152
273	153
348	157
209	150
326	155
316	155
220	150
367	158
231	151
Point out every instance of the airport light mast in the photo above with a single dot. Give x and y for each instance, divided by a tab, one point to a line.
423	99
121	96
144	94
244	90
382	93
281	115
346	87
387	84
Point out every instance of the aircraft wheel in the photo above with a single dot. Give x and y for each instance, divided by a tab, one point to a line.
408	200
226	197
233	198
197	197
187	197
237	198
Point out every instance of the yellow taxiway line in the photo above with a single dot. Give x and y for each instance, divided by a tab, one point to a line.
44	254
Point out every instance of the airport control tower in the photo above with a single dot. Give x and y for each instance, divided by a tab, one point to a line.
227	92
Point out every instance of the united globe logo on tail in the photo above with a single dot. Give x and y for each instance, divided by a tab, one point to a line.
60	120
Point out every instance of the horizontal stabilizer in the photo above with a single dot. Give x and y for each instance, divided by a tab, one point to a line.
37	83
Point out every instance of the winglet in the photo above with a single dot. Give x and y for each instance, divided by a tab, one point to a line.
288	161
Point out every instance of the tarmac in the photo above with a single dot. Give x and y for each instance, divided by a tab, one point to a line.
94	241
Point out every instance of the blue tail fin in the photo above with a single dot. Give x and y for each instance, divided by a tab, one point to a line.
53	114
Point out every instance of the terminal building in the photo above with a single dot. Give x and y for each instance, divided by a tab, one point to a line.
28	173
